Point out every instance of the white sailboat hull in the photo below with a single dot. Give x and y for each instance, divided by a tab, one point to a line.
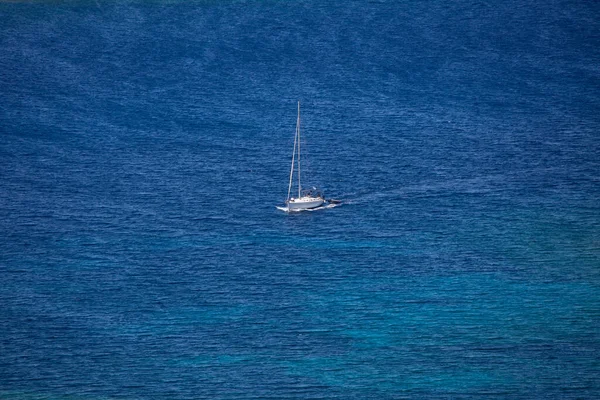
304	203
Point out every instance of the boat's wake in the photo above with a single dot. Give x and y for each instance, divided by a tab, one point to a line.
325	206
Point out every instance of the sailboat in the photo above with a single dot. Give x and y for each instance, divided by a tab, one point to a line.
307	199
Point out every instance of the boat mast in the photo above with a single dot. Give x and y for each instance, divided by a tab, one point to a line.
292	167
298	134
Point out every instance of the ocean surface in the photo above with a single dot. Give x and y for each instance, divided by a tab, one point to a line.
145	145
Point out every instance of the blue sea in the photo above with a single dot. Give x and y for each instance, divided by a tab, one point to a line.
145	145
